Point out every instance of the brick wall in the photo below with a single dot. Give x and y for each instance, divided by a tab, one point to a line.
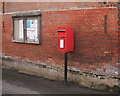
1	10
95	48
24	6
119	30
1	6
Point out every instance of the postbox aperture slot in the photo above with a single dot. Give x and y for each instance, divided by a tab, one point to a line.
62	31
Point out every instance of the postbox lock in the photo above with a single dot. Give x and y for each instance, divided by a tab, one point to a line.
62	37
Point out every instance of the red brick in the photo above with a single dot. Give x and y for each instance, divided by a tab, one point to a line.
91	42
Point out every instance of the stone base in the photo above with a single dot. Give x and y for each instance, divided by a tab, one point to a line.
57	73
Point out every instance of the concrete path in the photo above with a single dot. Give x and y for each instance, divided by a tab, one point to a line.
17	83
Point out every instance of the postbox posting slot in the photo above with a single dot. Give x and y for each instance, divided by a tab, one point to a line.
61	31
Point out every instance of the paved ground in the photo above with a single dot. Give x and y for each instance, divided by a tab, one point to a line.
17	83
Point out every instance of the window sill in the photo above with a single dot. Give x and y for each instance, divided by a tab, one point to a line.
22	42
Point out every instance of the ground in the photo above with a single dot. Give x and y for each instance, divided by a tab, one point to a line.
14	82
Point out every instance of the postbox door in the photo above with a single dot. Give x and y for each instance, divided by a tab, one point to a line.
62	44
65	39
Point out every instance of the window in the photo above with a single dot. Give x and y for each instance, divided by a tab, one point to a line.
26	29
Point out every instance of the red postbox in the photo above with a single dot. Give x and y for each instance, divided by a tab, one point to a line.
65	39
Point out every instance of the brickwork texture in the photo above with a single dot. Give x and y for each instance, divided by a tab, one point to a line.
96	35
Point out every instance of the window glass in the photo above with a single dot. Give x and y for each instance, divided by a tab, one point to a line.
32	29
18	29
